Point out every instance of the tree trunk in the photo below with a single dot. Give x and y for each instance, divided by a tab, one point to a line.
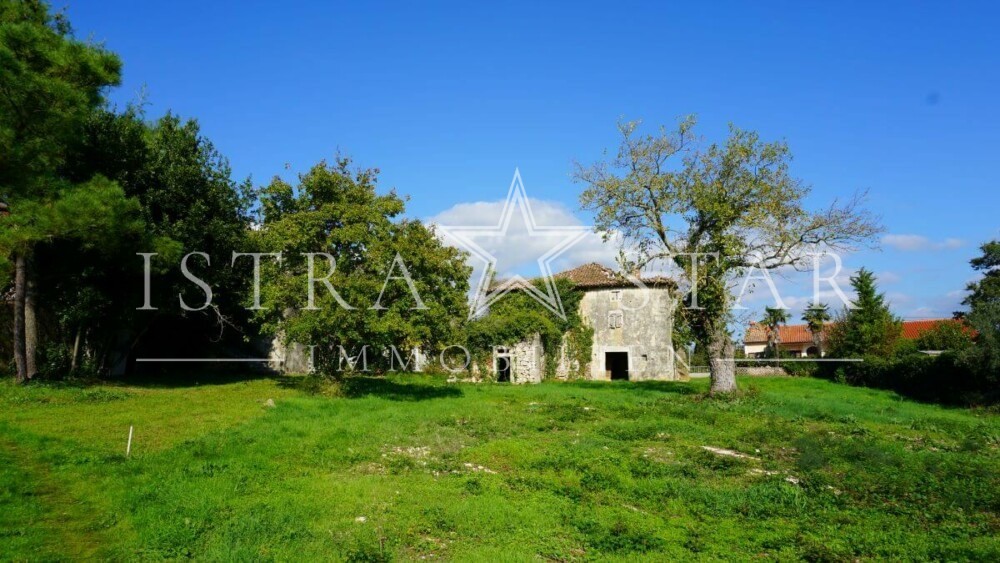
722	368
30	320
19	292
76	349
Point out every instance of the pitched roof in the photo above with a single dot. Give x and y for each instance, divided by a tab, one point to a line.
595	276
913	330
796	334
787	334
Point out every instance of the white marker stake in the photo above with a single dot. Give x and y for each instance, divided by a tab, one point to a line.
128	448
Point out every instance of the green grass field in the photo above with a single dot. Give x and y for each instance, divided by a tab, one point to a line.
412	467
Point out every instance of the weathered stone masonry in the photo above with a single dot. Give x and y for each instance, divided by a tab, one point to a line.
632	324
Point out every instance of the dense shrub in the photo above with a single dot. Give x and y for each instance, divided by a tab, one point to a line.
946	335
801	369
952	377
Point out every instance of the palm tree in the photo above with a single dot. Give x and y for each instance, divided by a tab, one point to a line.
815	318
774	318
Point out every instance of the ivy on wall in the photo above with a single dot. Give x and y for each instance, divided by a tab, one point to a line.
518	317
579	346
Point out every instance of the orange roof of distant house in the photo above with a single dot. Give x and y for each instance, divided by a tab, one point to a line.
913	330
795	334
787	334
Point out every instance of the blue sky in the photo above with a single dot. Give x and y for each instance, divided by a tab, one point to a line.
447	99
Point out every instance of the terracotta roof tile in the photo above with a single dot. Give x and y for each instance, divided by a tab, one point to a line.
792	334
596	276
787	334
913	330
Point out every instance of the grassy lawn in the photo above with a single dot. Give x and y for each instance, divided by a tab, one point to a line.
412	467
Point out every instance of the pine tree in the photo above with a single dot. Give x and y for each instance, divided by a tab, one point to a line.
987	289
984	312
868	327
51	83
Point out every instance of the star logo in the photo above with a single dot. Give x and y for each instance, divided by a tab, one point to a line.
555	240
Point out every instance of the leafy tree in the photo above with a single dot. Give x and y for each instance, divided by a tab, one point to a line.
816	319
51	83
985	320
984	313
185	200
986	289
773	319
868	328
337	211
188	202
667	198
946	335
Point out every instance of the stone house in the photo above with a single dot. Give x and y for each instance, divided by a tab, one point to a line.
632	324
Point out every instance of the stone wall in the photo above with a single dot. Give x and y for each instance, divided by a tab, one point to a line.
527	361
292	358
634	320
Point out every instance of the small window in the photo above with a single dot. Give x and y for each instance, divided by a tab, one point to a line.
616	319
616	296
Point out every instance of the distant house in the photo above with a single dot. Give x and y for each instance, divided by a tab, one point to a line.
796	340
632	331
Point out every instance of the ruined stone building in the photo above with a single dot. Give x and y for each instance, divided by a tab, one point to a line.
632	325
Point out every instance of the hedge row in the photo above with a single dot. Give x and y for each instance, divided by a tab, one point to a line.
952	378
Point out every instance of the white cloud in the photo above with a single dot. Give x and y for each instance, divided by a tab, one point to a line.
906	242
916	243
516	251
796	291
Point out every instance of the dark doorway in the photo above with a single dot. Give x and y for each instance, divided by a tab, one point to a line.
503	369
616	364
